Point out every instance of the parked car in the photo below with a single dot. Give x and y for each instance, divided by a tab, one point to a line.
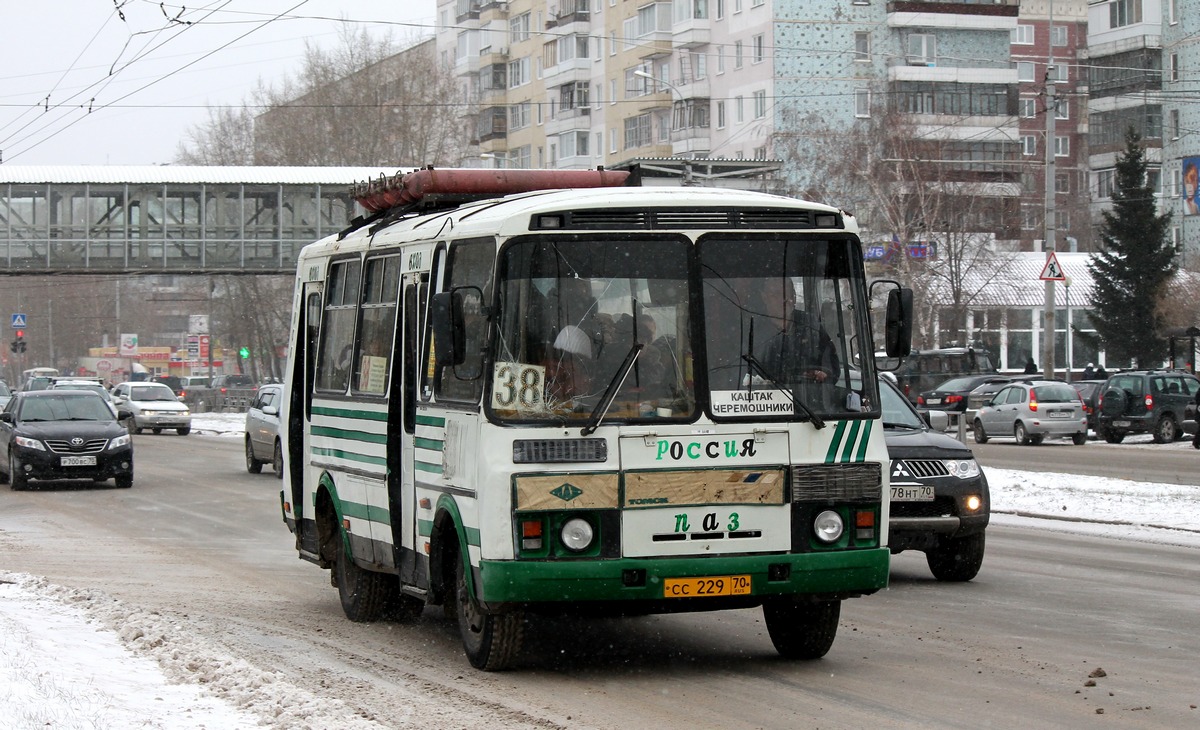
923	370
5	394
92	385
1030	412
1145	401
979	397
153	406
951	395
62	434
940	502
171	381
262	431
1089	393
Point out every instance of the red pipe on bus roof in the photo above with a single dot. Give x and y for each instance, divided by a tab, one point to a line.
401	189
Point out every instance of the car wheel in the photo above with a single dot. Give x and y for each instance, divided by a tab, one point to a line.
800	629
1037	439
124	481
156	431
1021	434
184	431
277	461
253	465
1166	430
17	478
956	559
1114	437
980	436
1079	439
491	641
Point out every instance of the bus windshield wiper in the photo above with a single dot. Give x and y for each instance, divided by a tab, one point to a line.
758	367
618	379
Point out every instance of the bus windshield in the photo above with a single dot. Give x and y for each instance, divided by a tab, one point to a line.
585	318
785	336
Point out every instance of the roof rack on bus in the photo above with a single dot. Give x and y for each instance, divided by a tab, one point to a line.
428	190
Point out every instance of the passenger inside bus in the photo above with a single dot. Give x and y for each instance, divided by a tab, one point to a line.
798	351
569	367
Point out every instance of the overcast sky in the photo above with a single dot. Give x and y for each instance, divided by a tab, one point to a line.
147	78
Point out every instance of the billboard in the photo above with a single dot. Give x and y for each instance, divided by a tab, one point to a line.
1191	185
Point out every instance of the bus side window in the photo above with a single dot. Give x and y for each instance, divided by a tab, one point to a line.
470	264
336	345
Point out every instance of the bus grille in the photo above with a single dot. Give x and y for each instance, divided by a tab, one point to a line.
557	451
625	219
921	468
837	482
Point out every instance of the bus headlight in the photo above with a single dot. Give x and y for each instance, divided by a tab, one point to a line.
828	526
577	534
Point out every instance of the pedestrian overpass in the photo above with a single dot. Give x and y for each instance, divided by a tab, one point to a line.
170	219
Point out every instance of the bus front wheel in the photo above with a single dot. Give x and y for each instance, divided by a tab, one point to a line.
802	630
491	641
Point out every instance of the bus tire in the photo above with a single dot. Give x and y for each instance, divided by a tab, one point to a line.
363	593
491	641
802	630
956	559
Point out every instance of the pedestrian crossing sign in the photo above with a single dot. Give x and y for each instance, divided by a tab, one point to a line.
1052	271
18	321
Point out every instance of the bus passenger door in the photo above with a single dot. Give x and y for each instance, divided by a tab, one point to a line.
299	411
406	371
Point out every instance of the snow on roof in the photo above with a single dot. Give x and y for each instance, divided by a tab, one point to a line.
192	174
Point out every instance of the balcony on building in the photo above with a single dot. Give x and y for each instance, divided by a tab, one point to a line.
957	14
492	55
492	124
493	10
566	13
467	10
692	33
576	69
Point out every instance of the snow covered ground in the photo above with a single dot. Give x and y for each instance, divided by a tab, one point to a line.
61	665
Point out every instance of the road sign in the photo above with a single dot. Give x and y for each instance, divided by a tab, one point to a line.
1052	271
18	321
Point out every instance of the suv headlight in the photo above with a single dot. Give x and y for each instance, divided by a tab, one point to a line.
962	468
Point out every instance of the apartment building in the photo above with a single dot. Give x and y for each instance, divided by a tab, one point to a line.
1181	120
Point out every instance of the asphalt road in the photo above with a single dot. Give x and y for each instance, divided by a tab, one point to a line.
201	541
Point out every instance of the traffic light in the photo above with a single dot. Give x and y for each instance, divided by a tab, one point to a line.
245	353
18	345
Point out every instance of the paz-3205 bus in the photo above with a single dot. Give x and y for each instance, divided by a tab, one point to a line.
507	400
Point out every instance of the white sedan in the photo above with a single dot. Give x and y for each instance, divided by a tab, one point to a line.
154	406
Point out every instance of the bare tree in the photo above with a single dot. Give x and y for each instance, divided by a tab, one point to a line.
227	138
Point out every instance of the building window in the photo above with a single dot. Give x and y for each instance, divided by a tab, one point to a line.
862	103
638	131
519	116
518	28
862	47
518	73
1028	108
1105	183
721	114
1062	146
1173	115
1124	12
1022	35
1058	35
739	114
760	104
1031	217
922	49
719	13
1174	67
737	54
1025	71
759	48
1062	182
1028	144
1058	72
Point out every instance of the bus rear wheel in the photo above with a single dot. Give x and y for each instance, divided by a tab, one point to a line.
802	630
491	641
363	593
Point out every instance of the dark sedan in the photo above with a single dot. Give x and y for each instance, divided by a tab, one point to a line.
940	502
952	394
63	434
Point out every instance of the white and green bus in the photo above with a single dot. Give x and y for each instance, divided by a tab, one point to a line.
506	400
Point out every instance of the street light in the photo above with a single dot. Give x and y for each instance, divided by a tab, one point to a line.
1067	295
687	166
501	160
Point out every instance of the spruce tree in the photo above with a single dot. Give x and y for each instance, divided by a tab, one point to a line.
1131	273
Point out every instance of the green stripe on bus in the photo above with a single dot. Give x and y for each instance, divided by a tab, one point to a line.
425	529
431	444
835	441
854	429
431	421
866	438
367	512
349	456
429	467
341	433
348	413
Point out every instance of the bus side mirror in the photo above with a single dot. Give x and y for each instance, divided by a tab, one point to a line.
449	338
897	335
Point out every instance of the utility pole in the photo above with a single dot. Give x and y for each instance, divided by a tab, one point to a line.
1051	234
